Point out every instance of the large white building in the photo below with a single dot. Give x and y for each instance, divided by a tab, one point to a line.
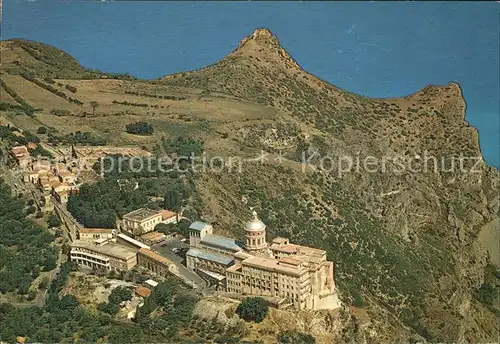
296	275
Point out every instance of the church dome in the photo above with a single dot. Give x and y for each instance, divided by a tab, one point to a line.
255	224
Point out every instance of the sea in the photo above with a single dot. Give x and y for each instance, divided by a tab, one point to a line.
376	49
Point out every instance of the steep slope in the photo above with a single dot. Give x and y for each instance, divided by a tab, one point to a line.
404	237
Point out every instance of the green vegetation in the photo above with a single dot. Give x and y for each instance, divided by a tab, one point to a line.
53	221
40	151
253	309
489	292
70	88
45	86
118	295
182	227
60	112
7	133
130	103
94	105
63	319
295	337
172	199
25	248
42	130
159	96
76	138
139	128
28	109
175	305
182	146
98	205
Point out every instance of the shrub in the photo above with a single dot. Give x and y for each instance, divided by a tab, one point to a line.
253	309
53	221
60	112
139	128
294	336
71	88
41	130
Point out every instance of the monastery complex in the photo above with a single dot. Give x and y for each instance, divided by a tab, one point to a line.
298	275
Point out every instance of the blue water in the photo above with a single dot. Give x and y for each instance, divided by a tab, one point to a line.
375	49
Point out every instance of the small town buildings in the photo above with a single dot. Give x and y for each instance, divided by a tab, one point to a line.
151	284
168	216
141	221
95	233
129	242
62	191
22	156
31	177
155	262
103	254
153	238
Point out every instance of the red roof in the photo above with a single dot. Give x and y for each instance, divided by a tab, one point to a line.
142	291
19	150
167	214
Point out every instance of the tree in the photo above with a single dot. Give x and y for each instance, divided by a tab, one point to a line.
358	301
172	199
253	309
53	221
120	294
94	105
139	128
107	307
294	336
41	130
165	228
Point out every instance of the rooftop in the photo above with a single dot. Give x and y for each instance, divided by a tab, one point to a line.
271	264
151	282
242	255
221	242
132	241
198	225
213	257
234	268
298	249
290	261
19	150
153	236
141	214
109	249
155	256
96	230
142	291
280	240
167	214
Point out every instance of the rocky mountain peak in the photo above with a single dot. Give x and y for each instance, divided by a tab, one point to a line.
262	42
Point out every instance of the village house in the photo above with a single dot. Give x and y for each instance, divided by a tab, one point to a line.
141	221
22	156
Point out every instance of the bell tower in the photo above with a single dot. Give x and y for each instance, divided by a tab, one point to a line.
255	234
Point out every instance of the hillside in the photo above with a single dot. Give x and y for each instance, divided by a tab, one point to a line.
404	242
